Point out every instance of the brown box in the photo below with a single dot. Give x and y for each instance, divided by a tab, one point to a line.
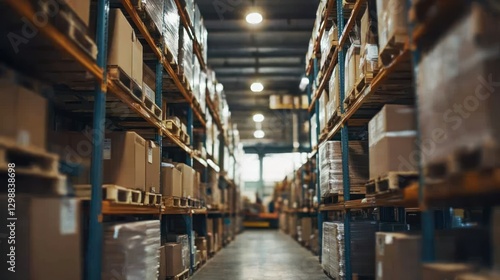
201	243
81	8
392	20
124	160
47	239
306	225
137	60
351	69
187	179
210	243
196	185
444	271
171	181
173	253
152	167
120	51
398	256
210	225
23	114
163	263
392	137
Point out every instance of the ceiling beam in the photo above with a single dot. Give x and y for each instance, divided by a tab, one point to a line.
238	25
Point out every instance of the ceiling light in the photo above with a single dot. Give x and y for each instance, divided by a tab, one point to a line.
259	134
258	118
257	87
254	18
219	87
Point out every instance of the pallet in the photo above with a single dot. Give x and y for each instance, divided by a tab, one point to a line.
112	193
358	193
336	116
123	80
395	180
364	81
176	202
194	203
68	22
351	97
152	199
181	276
171	126
394	47
151	107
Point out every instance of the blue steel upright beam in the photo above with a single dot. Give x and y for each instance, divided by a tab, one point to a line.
189	159
317	169
428	225
344	136
93	259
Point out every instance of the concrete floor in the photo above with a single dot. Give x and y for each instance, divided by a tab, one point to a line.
262	254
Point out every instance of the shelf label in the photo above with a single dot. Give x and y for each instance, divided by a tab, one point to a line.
107	148
67	217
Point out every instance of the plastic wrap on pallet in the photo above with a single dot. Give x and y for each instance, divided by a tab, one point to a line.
334	91
189	7
131	250
196	78
392	20
154	8
351	68
463	68
325	45
211	84
186	54
171	28
203	91
204	43
330	164
182	239
198	22
322	101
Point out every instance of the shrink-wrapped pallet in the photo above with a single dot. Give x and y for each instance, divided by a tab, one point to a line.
171	28
392	21
333	105
182	239
196	78
186	55
351	69
131	250
154	8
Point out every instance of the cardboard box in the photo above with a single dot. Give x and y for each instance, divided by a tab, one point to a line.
26	113
397	256
171	182
351	69
47	239
124	160
210	243
201	243
392	20
306	225
173	254
392	141
81	8
152	167
444	271
210	225
137	60
163	263
196	185
188	174
120	50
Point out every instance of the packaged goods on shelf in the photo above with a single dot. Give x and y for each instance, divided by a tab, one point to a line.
351	69
131	250
392	21
325	45
26	112
330	154
196	78
333	250
183	240
322	102
211	83
398	256
137	60
198	22
81	8
124	161
121	47
306	227
392	139
196	185
162	273
210	135
171	28
333	105
154	8
152	167
314	134
149	82
439	271
174	263
310	50
186	54
171	180
203	92
462	121
189	8
292	225
368	63
48	239
188	174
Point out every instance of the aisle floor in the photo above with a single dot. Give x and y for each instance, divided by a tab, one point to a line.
262	254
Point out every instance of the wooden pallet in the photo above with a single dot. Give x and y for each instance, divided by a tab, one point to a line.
173	128
173	201
112	193
394	47
150	198
68	22
151	107
181	276
364	81
351	97
125	82
395	180
333	198
336	116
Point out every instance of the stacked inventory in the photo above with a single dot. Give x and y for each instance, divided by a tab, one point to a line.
331	166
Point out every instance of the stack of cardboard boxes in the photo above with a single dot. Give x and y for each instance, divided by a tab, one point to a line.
180	181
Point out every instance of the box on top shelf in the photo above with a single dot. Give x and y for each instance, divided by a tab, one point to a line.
152	167
462	121
392	21
392	139
171	28
124	161
26	112
171	180
81	8
120	48
48	239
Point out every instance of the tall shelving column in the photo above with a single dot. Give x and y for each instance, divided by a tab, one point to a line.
93	260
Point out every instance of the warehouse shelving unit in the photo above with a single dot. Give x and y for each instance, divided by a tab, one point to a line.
106	88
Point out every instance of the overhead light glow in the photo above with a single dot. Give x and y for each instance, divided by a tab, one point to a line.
254	18
305	80
259	134
219	87
258	118
257	87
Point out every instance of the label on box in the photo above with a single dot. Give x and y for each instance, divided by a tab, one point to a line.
388	239
107	149
150	155
67	217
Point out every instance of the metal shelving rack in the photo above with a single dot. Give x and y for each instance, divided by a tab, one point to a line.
104	86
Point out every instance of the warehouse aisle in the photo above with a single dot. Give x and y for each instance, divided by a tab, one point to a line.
262	254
